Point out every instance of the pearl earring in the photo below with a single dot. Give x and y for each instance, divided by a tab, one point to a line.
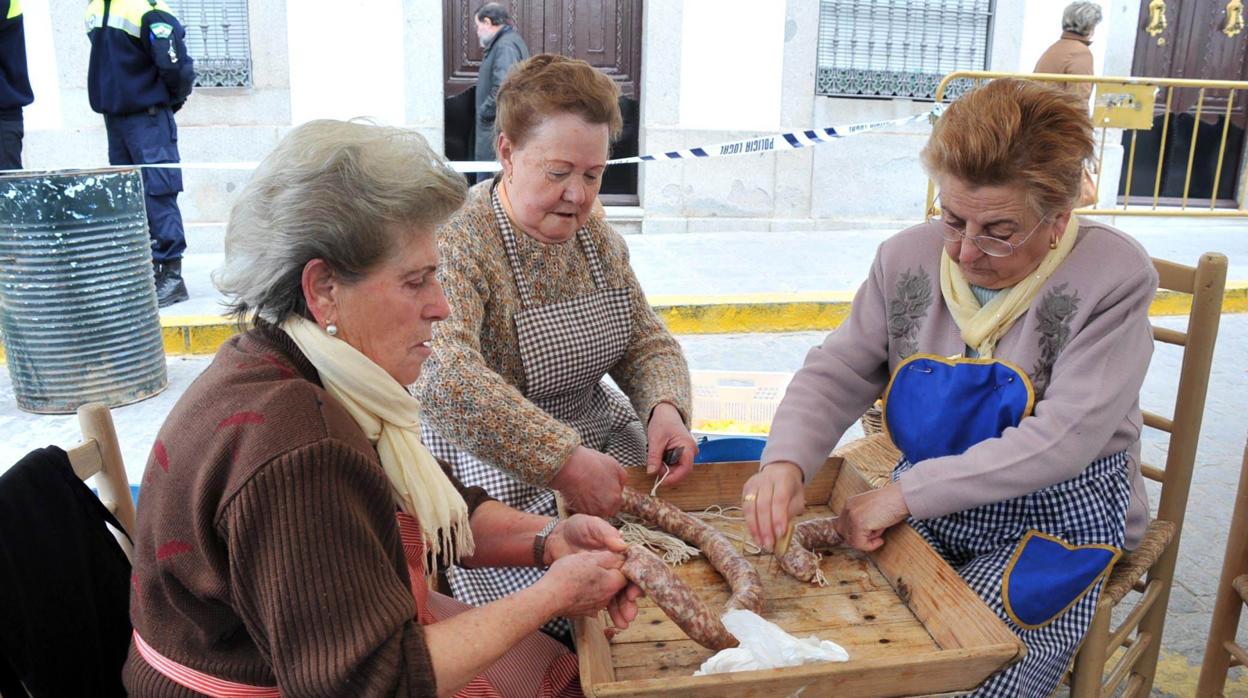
331	329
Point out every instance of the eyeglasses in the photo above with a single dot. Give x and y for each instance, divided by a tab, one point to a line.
993	247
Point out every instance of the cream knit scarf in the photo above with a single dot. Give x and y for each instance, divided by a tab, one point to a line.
983	327
390	418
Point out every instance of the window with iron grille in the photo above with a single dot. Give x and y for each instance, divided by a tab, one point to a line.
898	48
217	37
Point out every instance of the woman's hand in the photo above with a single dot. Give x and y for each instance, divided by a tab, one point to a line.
623	608
581	533
584	583
866	516
665	432
591	482
770	498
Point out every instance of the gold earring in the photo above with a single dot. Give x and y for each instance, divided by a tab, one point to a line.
1052	243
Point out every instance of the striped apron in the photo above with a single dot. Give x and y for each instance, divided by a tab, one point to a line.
566	349
536	666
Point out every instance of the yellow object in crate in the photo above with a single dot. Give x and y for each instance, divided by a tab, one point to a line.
736	402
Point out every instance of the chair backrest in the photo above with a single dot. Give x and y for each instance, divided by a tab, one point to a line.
99	456
1206	283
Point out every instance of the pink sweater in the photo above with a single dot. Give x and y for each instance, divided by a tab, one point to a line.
1085	343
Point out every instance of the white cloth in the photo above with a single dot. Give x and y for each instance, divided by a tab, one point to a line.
390	418
765	646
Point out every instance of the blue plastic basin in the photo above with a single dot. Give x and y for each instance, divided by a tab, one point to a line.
730	449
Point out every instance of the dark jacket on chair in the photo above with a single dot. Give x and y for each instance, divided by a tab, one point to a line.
64	584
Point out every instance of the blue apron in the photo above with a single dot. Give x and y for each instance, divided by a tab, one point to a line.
1038	560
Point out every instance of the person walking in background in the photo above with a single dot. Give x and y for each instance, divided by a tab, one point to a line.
15	91
140	74
503	48
1070	55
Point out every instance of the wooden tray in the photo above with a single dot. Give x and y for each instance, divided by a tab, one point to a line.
910	624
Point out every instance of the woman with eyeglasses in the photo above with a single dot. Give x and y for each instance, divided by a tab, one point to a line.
1009	339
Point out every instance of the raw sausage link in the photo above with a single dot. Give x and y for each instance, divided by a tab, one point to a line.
798	560
743	579
747	586
676	599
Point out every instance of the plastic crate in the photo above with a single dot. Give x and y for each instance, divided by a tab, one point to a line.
736	402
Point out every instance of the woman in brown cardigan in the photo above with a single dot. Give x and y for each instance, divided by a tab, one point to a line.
544	306
268	555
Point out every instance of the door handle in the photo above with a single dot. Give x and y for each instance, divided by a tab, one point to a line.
1234	18
1157	20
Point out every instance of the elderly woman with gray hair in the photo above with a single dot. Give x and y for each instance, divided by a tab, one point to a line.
291	515
1070	55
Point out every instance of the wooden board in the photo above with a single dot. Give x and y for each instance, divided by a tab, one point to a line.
909	623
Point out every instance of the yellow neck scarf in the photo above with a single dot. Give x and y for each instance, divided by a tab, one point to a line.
983	326
390	418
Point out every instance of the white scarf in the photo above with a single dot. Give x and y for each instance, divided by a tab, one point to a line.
983	327
390	418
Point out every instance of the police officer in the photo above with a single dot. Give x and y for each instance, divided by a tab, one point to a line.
15	91
140	74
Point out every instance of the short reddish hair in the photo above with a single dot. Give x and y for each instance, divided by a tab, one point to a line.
1013	131
545	85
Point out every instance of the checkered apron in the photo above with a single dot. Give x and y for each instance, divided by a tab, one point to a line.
566	349
1090	508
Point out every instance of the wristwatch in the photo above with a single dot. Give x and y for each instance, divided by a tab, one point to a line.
539	543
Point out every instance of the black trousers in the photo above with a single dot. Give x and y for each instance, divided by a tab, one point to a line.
11	133
152	137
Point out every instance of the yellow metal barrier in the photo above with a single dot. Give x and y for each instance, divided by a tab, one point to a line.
1108	112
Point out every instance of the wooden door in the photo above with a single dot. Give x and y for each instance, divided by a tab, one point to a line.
1192	46
604	33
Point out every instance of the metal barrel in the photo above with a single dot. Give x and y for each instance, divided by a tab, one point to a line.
77	296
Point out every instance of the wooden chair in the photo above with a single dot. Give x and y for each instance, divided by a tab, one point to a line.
1147	572
1222	652
99	456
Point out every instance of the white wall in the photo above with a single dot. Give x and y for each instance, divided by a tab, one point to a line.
348	64
732	52
45	113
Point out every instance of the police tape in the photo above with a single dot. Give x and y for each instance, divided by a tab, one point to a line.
792	140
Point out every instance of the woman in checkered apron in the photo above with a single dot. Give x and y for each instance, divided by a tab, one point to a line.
1009	339
544	307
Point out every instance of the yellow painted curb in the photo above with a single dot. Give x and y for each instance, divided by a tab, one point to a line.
725	314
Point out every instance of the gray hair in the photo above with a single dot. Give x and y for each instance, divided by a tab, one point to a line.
1081	17
344	192
495	13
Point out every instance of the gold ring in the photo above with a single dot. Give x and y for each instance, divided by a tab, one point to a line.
749	497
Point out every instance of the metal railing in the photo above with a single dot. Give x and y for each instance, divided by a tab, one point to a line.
957	84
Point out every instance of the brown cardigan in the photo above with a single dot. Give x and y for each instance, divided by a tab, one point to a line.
266	549
1070	55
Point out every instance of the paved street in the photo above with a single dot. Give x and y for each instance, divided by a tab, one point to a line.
1204	539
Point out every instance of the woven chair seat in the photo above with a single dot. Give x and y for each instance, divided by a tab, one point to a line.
1240	584
1132	566
873	456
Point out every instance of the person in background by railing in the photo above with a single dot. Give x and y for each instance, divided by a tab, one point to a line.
15	91
1070	55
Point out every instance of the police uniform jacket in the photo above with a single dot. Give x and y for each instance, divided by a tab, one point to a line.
15	91
138	57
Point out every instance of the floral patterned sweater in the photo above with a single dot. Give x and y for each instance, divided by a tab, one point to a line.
1085	343
472	391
